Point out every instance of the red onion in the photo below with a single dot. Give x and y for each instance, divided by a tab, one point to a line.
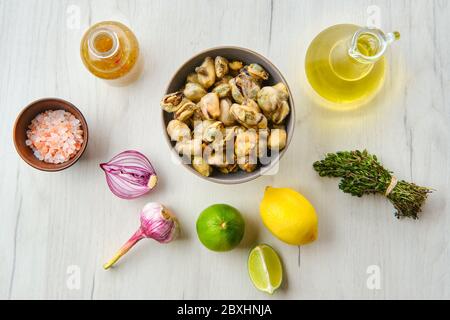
157	223
130	175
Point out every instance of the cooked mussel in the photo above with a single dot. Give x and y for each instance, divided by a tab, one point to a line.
244	87
273	102
186	110
257	72
171	102
223	90
194	91
189	148
226	116
277	139
246	148
201	166
281	113
178	131
221	66
210	106
206	73
249	115
209	130
236	65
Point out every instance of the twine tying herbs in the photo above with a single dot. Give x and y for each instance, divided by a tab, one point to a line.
392	185
362	174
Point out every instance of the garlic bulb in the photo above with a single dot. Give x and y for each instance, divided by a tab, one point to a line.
157	223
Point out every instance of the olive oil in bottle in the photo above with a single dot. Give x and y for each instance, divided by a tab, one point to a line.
110	51
345	64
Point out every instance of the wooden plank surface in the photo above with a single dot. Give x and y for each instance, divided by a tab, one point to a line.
53	225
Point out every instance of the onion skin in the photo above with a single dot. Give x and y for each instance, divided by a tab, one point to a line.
157	223
130	175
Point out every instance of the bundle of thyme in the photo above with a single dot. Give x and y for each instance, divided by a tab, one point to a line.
362	174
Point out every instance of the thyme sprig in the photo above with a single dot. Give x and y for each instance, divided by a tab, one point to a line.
362	174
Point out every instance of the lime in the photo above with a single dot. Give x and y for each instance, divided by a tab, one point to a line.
220	227
265	269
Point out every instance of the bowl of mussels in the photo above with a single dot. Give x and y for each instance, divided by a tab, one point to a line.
229	115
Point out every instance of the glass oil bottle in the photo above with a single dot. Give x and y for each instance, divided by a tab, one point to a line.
346	64
110	51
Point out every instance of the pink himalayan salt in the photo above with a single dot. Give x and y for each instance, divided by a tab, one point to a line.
55	136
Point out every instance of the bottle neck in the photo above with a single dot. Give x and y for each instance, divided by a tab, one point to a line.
103	43
369	45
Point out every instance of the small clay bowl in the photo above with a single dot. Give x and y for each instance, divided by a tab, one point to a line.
24	120
247	56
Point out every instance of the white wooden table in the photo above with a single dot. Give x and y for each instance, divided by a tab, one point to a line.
55	226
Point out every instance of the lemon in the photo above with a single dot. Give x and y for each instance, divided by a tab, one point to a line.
289	216
264	268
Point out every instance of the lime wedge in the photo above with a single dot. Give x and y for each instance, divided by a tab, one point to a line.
265	269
